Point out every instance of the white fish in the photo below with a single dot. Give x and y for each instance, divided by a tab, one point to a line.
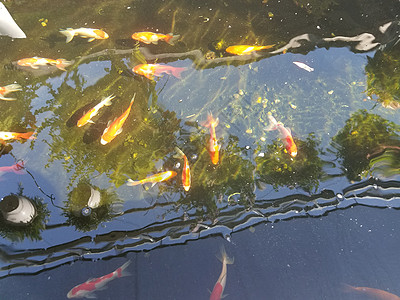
88	33
8	26
303	66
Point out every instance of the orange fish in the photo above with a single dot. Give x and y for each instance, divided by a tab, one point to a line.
17	168
371	292
151	37
213	146
245	49
115	128
219	286
8	89
151	70
35	62
6	135
159	177
87	33
87	118
186	177
285	135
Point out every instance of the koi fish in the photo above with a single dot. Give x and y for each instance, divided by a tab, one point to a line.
86	33
115	128
213	147
151	70
8	89
219	286
245	49
371	292
35	62
151	37
6	135
159	177
285	134
303	66
87	117
87	289
186	177
17	168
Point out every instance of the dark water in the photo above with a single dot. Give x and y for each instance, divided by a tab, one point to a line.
337	199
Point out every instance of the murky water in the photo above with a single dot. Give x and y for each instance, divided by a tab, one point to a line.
340	106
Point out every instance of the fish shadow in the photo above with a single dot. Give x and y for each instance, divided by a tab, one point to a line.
96	130
73	120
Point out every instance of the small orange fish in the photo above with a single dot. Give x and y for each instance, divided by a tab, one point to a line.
371	292
87	118
87	33
186	177
245	49
6	135
8	89
219	286
151	37
115	127
151	70
159	177
213	146
35	62
285	135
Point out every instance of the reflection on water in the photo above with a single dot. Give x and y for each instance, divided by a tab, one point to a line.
347	146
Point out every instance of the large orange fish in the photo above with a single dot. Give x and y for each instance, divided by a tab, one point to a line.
151	70
186	176
285	134
7	135
87	117
148	37
245	49
153	179
35	62
371	293
87	33
8	89
219	286
115	128
213	147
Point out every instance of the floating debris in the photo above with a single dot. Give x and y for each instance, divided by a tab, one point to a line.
303	66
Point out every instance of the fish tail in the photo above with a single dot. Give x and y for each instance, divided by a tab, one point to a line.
6	99
27	135
179	153
273	124
12	88
171	39
121	271
224	257
177	72
62	63
133	182
267	46
348	288
69	33
107	100
211	122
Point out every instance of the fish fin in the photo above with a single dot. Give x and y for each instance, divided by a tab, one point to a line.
224	257
172	39
132	182
90	295
210	120
62	64
69	33
108	100
118	131
348	288
273	124
14	87
90	121
177	72
153	184
7	99
155	42
179	153
34	67
122	272
91	39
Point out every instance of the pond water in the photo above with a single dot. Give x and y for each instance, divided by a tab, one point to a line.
330	77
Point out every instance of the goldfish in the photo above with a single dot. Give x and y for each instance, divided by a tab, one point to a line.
371	292
285	134
115	128
151	37
6	135
213	147
16	168
303	66
87	289
8	89
87	117
153	179
186	177
245	49
151	70
35	62
219	286
87	33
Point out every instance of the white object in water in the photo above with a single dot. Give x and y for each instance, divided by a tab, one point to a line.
303	66
8	26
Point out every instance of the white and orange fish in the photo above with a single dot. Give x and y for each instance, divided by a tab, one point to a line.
87	33
186	176
148	37
285	134
151	70
8	89
303	66
7	135
371	293
153	179
87	117
213	147
115	128
245	49
219	286
35	62
87	289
